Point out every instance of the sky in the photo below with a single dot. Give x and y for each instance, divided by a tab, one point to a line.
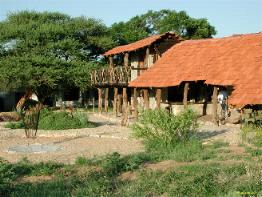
228	16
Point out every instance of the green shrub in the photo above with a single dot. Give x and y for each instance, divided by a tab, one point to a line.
50	120
10	172
165	128
252	134
15	125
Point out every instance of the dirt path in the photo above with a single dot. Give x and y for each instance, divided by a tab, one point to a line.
228	133
107	137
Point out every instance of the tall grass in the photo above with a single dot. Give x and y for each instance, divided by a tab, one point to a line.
252	134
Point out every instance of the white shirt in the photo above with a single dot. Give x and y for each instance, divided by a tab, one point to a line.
222	96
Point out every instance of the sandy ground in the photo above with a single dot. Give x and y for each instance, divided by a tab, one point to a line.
107	137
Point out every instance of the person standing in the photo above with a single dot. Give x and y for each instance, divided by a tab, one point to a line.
222	99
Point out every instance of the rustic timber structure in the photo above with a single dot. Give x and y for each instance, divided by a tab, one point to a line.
193	72
137	58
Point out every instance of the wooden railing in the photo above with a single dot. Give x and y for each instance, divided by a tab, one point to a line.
117	76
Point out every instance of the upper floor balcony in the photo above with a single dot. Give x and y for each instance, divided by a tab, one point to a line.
116	76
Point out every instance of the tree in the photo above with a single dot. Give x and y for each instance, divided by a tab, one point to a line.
43	51
157	22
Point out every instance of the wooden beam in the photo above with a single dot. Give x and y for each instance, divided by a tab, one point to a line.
135	103
115	102
185	98
146	61
214	101
158	97
93	102
111	61
125	108
126	59
146	98
106	99
119	103
99	100
138	68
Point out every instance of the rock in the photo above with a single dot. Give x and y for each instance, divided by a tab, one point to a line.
235	117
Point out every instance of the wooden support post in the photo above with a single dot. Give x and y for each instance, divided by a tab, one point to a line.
158	98
146	99
186	88
146	61
111	62
119	103
100	100
135	103
126	59
115	102
125	108
214	100
125	100
93	102
106	99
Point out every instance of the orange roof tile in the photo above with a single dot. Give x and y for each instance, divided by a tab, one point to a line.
235	60
139	44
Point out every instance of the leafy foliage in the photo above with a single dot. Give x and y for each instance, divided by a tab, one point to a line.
157	22
44	51
10	172
50	120
252	134
167	129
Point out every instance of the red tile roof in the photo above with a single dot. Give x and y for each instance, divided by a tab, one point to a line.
139	44
235	60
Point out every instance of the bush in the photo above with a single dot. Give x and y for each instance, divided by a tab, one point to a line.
164	128
252	134
50	120
10	172
15	125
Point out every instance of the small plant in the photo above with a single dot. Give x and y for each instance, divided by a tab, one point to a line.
113	164
15	125
167	129
252	134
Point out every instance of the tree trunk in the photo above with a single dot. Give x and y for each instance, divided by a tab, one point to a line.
186	88
158	97
214	100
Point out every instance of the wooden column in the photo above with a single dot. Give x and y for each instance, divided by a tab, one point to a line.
186	88
214	101
106	99
125	99
124	109
146	99
99	100
126	59
158	98
93	102
115	102
146	64
111	62
119	103
135	103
